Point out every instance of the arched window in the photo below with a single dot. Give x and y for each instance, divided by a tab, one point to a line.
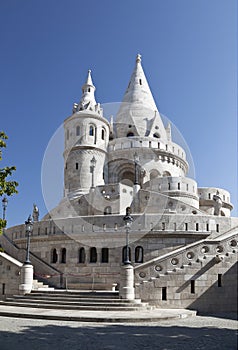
63	256
93	255
91	130
130	134
77	130
105	254
139	254
153	174
54	256
82	255
107	210
124	254
103	134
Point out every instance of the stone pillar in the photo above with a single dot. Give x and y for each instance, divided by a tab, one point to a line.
127	290
26	279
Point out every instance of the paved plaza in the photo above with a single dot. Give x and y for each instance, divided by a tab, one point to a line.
194	333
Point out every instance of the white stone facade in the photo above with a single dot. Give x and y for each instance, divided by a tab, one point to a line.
134	163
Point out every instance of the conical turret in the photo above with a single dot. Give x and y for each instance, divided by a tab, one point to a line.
138	114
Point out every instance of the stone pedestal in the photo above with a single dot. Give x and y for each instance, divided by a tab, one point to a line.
26	279
127	290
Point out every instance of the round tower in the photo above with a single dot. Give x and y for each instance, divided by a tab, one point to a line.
86	141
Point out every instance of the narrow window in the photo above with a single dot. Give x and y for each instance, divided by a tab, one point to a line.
82	255
103	134
91	130
3	288
63	255
169	186
46	231
76	166
77	130
192	286
54	256
158	145
124	254
186	226
67	134
217	227
89	89
175	226
166	147
179	186
209	195
105	255
219	280
207	227
140	81
149	144
163	226
93	255
164	293
139	254
38	231
187	187
197	227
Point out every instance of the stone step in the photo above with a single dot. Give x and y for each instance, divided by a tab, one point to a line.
73	299
82	294
64	306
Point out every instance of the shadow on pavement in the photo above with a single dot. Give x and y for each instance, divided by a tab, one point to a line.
117	337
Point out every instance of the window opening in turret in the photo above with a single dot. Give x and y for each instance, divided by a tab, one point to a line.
76	166
77	130
179	186
197	227
186	226
88	89
91	130
103	134
140	81
156	135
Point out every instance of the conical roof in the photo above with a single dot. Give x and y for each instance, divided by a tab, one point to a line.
138	114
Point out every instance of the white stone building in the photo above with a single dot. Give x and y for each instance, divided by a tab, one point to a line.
182	241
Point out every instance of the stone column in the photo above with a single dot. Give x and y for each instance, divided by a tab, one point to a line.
26	279
127	290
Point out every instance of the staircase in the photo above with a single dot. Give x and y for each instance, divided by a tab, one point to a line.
200	275
81	300
40	286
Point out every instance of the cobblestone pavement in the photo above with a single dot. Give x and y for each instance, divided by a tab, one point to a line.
194	333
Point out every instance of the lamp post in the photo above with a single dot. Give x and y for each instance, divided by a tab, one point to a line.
128	219
92	167
4	207
136	160
29	229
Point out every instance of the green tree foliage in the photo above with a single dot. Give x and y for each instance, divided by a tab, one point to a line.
7	187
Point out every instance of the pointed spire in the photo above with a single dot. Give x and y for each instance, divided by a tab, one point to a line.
138	107
88	99
89	78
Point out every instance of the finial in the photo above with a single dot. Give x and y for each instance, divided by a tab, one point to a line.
138	58
89	71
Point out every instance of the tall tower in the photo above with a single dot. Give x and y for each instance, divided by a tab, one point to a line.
86	141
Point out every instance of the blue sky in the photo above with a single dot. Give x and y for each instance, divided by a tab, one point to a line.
189	54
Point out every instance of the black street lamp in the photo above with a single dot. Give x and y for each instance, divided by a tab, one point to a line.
136	160
128	219
29	229
92	167
4	207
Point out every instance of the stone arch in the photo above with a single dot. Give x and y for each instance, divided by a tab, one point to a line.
166	173
107	210
154	173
